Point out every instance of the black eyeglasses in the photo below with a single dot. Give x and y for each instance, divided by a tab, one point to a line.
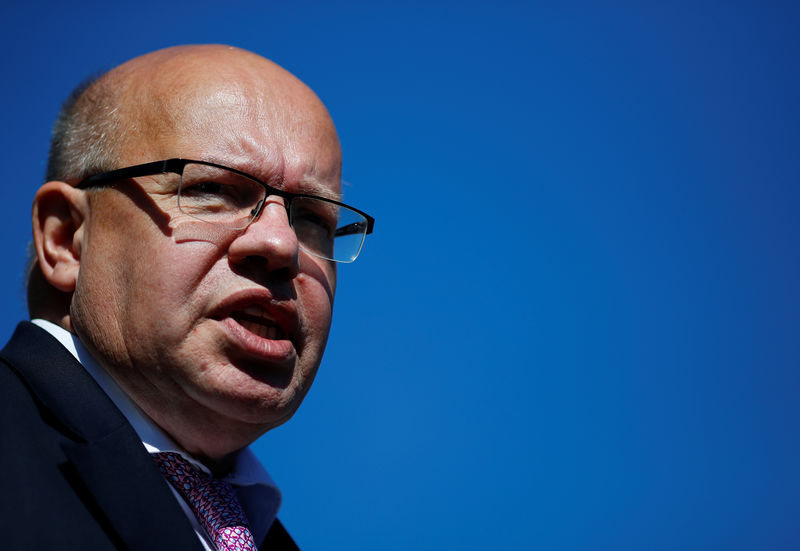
233	199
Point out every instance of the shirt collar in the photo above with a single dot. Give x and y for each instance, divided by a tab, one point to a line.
248	473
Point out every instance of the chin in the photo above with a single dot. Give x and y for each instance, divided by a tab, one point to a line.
265	410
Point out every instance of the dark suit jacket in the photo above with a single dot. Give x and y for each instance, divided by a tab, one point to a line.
74	473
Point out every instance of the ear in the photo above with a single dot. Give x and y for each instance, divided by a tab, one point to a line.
59	215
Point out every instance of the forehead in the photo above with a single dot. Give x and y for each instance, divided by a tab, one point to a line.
275	129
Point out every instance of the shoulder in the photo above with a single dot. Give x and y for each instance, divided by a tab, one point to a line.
40	488
22	416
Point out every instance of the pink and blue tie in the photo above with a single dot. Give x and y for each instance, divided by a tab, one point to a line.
213	501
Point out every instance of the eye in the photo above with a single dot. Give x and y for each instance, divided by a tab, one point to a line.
233	195
203	198
209	189
314	222
219	195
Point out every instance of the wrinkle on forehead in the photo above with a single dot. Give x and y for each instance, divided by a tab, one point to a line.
241	109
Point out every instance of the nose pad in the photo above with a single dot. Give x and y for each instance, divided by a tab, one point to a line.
257	209
281	207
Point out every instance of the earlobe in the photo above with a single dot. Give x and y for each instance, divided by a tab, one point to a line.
59	213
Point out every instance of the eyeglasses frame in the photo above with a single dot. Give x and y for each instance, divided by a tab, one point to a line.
177	165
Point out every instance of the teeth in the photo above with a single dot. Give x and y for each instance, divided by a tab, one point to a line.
264	328
254	311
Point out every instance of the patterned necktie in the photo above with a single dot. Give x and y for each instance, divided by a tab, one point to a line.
213	502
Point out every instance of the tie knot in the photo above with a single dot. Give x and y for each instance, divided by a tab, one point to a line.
184	476
213	501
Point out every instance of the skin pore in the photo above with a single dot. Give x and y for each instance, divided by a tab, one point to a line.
166	303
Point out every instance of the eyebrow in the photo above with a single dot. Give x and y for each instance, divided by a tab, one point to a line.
308	186
314	187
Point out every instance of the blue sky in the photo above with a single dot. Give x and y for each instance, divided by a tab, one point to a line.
575	326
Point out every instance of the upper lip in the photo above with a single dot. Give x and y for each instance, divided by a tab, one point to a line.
261	303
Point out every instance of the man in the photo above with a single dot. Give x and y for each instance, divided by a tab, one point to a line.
182	288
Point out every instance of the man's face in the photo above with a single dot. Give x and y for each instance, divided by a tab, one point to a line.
217	334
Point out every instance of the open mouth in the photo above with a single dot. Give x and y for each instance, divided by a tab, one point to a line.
255	321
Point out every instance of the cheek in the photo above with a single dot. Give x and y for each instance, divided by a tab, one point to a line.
174	273
170	267
317	272
169	289
316	286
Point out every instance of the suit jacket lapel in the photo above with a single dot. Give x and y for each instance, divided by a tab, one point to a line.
102	447
136	501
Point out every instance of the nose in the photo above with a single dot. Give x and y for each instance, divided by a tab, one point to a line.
269	239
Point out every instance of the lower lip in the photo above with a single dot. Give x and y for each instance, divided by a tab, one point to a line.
269	350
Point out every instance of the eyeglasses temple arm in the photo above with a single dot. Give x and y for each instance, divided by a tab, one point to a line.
351	229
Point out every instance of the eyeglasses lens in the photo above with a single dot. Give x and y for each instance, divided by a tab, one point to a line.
229	199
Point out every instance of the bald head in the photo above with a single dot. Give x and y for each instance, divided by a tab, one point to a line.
120	113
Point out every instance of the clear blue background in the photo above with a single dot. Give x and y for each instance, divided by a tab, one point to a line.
576	326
